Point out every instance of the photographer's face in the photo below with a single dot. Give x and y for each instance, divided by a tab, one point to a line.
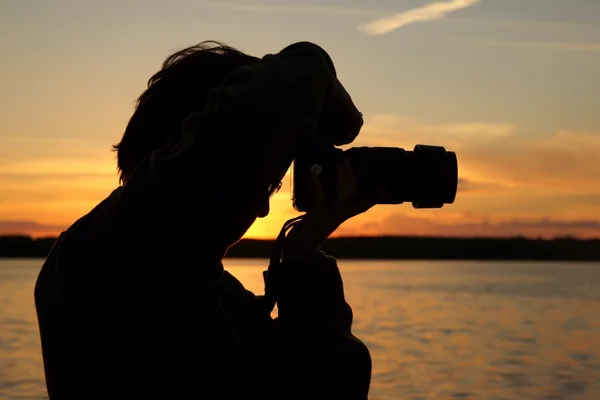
256	169
278	156
250	201
264	203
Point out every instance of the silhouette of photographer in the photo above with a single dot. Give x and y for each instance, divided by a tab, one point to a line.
133	301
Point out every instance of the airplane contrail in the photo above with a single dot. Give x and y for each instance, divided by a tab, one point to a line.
429	12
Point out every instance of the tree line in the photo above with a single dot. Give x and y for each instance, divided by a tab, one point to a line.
389	247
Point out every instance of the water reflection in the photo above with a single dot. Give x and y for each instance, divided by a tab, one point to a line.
435	330
21	371
477	330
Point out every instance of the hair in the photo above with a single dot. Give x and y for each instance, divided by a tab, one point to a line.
178	89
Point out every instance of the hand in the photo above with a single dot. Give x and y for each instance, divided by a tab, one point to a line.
319	222
340	118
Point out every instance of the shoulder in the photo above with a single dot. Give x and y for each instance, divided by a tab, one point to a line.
87	235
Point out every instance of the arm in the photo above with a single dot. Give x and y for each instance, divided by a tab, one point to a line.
312	348
309	351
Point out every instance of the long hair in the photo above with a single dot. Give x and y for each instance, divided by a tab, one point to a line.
178	89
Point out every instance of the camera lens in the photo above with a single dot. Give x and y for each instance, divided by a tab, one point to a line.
427	176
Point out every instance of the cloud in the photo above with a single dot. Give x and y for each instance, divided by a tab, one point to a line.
470	130
56	165
8	227
49	176
527	25
586	47
468	185
390	129
402	224
565	159
497	153
429	12
42	140
289	8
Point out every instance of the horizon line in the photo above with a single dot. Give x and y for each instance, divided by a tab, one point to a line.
346	237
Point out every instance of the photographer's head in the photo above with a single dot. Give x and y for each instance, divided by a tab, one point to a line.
239	187
178	89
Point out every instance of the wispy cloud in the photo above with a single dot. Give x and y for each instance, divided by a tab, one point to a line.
589	47
473	226
289	8
8	227
395	130
428	12
527	25
468	185
498	152
470	130
54	165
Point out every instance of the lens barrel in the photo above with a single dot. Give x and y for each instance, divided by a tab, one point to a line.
427	177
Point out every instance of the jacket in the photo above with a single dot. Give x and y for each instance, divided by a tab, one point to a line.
133	300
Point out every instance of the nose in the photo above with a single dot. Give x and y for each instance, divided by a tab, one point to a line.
263	207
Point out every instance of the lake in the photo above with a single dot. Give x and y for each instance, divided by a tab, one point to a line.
436	330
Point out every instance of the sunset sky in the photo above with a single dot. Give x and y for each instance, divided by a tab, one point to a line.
511	85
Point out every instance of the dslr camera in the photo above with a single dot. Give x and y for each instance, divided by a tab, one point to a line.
426	176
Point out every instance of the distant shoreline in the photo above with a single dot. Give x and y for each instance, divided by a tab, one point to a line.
384	248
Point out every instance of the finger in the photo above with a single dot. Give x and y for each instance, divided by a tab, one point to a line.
341	183
317	200
349	179
364	204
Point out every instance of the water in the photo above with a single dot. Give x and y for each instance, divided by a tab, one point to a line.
436	330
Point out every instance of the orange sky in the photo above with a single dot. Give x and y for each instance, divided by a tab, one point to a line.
513	90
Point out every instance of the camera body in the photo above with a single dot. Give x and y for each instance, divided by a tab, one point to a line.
427	176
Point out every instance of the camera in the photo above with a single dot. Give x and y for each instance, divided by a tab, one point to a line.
427	176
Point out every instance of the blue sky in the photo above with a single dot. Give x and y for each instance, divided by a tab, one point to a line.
510	85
